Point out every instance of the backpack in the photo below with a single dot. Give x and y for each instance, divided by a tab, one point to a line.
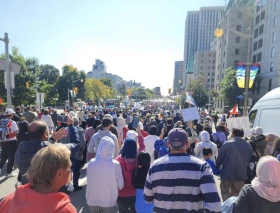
4	131
218	142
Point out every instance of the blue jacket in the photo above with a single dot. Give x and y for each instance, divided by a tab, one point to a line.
141	206
216	171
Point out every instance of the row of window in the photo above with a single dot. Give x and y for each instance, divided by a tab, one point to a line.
260	4
258	44
259	31
260	17
259	86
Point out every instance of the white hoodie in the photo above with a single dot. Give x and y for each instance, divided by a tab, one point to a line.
205	137
104	176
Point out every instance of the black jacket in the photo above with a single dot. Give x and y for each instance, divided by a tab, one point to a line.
249	201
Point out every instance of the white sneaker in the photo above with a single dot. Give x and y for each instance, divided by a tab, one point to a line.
10	175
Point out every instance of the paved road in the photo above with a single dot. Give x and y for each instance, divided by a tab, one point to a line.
77	199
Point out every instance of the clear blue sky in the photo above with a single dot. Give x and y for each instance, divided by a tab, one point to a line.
137	39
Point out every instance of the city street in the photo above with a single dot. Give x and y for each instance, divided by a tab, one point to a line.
78	198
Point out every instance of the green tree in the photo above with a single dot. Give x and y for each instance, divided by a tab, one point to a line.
107	82
199	93
229	89
49	73
95	90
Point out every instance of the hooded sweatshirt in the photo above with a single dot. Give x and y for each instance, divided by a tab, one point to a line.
95	140
104	175
205	138
26	200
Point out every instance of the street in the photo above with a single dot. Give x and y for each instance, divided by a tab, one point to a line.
78	199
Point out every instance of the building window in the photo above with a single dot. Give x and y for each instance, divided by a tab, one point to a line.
260	43
224	53
237	40
259	57
223	65
258	19
201	61
254	58
256	33
269	84
239	15
271	67
236	51
263	15
273	36
201	68
276	5
202	55
272	52
255	46
261	30
238	27
264	3
225	43
275	21
258	6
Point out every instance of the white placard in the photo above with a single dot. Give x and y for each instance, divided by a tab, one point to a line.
239	122
190	114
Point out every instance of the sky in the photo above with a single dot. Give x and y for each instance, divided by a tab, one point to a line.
137	39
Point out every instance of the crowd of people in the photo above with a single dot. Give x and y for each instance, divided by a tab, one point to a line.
138	161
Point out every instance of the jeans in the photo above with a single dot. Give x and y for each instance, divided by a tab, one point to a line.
229	189
76	168
126	204
98	209
9	149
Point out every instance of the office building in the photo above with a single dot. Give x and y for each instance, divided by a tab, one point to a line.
204	67
130	84
230	48
266	46
157	91
178	76
199	28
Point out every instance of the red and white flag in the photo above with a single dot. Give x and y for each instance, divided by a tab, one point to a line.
234	110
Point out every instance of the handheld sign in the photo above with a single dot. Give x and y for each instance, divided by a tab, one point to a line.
190	114
239	122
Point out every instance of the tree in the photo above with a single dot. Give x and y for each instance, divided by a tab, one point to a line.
199	93
95	90
229	89
107	82
49	73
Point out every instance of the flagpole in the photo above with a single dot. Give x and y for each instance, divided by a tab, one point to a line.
68	94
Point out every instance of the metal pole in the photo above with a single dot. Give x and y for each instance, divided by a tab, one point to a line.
68	96
210	90
36	82
9	96
247	77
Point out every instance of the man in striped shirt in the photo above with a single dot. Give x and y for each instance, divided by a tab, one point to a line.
180	183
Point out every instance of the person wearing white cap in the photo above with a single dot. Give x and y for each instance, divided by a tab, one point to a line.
8	141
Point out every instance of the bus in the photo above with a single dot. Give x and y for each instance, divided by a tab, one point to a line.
112	103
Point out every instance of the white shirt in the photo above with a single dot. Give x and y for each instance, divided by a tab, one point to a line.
48	120
13	128
199	147
149	142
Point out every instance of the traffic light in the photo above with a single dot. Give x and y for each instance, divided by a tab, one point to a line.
76	90
27	85
129	92
169	91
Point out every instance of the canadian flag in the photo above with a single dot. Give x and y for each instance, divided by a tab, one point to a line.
234	110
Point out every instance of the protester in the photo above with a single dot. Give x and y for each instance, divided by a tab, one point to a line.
138	181
219	138
48	120
270	139
54	116
205	138
181	174
105	131
112	129
48	172
251	173
29	116
127	159
150	140
234	157
263	196
106	183
138	137
207	155
259	139
122	129
9	145
276	151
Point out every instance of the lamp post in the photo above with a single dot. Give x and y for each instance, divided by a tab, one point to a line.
218	33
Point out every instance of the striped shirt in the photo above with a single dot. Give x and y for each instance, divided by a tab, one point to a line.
180	183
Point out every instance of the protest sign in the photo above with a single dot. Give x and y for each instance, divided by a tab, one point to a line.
239	122
190	114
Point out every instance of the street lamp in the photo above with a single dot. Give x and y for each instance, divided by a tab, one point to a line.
218	33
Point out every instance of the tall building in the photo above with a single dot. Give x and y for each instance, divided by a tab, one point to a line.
178	76
204	67
231	48
266	46
98	69
157	91
199	28
131	84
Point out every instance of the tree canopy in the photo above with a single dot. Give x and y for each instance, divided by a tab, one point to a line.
199	92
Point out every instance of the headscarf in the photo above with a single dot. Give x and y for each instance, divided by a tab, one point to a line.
129	149
205	137
271	138
267	182
120	125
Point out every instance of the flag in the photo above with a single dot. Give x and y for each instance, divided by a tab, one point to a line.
234	110
189	99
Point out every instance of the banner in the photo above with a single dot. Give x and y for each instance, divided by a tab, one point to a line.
189	99
239	122
190	114
240	75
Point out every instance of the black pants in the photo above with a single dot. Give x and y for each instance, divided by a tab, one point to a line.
9	149
126	204
76	168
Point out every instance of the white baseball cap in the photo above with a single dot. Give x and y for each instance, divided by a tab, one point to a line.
131	134
9	111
